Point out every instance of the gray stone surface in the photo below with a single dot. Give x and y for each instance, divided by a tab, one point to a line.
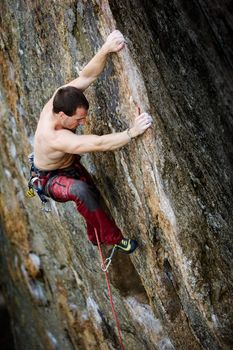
171	188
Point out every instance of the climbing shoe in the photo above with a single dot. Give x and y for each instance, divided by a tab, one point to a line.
126	245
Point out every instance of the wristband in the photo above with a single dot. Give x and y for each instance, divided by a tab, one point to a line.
129	133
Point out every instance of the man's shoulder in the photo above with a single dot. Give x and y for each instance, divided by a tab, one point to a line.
60	135
47	109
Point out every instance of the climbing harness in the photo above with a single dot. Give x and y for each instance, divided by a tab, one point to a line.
34	187
104	269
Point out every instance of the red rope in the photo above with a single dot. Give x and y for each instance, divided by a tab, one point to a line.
109	292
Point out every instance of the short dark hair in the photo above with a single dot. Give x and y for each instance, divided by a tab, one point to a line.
68	99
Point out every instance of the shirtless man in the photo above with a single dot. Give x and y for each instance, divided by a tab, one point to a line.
57	149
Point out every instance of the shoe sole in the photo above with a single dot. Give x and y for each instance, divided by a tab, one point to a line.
130	251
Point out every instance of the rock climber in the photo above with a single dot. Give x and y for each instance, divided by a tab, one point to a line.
57	149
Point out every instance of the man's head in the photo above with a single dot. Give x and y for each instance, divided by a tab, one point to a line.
68	99
71	105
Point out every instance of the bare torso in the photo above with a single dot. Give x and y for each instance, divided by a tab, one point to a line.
45	156
55	144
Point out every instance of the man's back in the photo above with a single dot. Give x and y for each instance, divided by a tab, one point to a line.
46	157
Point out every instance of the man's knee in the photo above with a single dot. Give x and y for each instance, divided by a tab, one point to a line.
79	189
86	194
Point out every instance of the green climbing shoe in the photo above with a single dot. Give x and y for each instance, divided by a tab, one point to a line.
126	245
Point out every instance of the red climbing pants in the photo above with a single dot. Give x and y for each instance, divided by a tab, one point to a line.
75	184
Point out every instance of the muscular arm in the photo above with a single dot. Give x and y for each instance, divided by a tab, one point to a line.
114	43
68	142
91	71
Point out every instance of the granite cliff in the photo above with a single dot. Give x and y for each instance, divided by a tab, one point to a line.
171	189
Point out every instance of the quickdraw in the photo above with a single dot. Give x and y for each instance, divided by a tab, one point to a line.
105	265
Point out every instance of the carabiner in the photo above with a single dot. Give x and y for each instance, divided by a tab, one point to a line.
107	262
46	206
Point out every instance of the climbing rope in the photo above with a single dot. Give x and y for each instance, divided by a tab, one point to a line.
104	269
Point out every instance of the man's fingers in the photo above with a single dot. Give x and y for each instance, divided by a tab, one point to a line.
144	116
120	46
116	34
116	31
115	41
142	122
144	119
149	119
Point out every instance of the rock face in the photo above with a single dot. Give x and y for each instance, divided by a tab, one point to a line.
171	189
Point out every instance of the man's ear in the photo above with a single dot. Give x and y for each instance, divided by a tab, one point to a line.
61	115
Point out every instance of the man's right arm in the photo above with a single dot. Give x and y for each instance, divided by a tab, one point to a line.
68	142
114	43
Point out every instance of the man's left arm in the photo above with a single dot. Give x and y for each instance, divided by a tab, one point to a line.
114	43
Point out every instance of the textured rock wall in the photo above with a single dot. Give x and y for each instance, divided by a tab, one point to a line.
170	188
